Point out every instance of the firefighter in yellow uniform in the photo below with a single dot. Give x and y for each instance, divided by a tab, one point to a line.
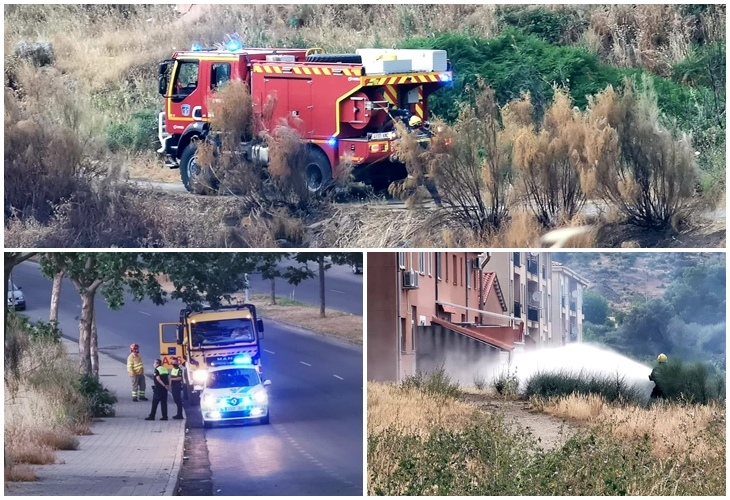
135	368
176	385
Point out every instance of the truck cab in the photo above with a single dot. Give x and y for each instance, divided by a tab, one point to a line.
207	338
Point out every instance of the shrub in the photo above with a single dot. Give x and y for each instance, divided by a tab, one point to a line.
100	402
437	382
689	382
552	25
139	133
565	383
506	383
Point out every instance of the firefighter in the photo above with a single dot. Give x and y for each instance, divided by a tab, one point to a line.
415	122
656	376
162	385
135	368
176	384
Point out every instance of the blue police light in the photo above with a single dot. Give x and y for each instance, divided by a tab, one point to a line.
196	47
332	142
234	45
242	360
445	77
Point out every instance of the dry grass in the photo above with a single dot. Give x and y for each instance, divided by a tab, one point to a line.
148	166
20	472
412	411
673	428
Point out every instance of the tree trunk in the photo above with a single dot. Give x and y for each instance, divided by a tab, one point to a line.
55	295
85	323
8	270
94	343
273	291
321	287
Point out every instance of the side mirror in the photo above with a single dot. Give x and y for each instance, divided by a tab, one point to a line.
20	288
267	383
260	327
162	85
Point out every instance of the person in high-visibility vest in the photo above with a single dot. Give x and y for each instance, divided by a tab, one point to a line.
162	385
176	384
135	368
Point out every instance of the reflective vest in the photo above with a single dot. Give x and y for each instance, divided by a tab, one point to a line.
176	372
134	364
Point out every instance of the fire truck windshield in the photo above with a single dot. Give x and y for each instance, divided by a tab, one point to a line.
186	78
223	331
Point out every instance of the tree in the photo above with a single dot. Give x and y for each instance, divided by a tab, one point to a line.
58	273
595	307
269	268
646	328
109	273
321	259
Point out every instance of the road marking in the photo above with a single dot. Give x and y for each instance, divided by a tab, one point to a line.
146	314
337	291
270	352
337	376
302	362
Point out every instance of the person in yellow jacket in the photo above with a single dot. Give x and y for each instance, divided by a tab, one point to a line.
135	368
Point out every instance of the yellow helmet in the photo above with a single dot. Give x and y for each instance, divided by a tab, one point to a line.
415	122
662	358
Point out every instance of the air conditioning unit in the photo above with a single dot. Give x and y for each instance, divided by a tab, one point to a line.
410	279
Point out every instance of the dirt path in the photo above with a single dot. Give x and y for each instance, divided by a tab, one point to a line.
551	431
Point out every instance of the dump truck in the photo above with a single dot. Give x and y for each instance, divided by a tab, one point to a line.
346	105
211	337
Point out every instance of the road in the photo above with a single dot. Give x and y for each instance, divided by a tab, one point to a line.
314	444
343	289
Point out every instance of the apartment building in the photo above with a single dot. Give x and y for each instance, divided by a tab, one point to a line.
567	308
465	311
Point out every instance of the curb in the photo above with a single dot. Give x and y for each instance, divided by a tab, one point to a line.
310	331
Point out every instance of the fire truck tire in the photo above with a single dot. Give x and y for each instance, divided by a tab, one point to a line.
318	171
189	168
335	58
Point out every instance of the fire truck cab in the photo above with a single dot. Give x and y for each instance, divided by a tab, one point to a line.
344	105
206	338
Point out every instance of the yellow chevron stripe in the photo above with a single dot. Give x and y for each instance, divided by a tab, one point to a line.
267	69
393	80
316	71
298	71
357	72
422	79
346	71
327	71
432	78
257	69
419	111
277	69
307	71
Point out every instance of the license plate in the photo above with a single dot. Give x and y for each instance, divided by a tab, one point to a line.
236	408
380	136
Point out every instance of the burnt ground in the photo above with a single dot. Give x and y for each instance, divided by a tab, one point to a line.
550	431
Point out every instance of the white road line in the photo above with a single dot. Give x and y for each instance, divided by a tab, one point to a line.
270	352
337	376
337	291
146	314
302	362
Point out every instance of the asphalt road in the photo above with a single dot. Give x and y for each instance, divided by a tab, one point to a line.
314	444
343	289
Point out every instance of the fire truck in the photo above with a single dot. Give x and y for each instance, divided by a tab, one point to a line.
207	337
345	105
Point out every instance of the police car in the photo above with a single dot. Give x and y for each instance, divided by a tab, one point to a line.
234	393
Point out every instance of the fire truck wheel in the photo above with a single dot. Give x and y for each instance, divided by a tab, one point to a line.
318	171
189	170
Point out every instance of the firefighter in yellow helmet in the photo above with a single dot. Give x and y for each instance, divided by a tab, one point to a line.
656	377
415	122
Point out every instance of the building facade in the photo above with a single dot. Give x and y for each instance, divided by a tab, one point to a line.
464	311
568	288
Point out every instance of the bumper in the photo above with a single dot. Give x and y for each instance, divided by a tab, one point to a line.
219	414
19	305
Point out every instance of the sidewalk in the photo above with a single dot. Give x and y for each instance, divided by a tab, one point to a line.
126	455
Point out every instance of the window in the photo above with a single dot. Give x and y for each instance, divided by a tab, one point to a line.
455	274
186	78
220	74
421	262
468	274
461	271
438	265
447	267
401	260
430	264
403	334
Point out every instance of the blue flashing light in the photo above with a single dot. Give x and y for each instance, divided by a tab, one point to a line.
196	47
445	77
242	360
332	142
234	45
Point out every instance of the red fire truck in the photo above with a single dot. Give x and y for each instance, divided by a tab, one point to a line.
345	104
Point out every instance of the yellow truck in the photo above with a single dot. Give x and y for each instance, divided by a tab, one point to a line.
204	338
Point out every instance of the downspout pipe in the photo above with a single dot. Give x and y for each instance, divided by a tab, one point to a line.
398	280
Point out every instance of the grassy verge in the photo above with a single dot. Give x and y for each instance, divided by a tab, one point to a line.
422	442
44	408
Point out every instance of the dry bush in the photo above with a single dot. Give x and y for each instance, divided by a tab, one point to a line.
522	231
673	428
546	158
637	164
21	472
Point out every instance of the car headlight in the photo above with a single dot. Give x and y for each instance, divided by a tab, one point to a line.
200	375
209	400
260	397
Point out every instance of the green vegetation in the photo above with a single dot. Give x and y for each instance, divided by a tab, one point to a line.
433	383
139	134
100	402
564	383
696	382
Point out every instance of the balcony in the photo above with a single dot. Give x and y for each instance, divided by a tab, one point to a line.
532	266
533	313
518	310
573	334
517	259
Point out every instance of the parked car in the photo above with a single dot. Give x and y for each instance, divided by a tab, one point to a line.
234	393
16	298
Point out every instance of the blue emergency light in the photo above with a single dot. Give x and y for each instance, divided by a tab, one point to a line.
242	360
